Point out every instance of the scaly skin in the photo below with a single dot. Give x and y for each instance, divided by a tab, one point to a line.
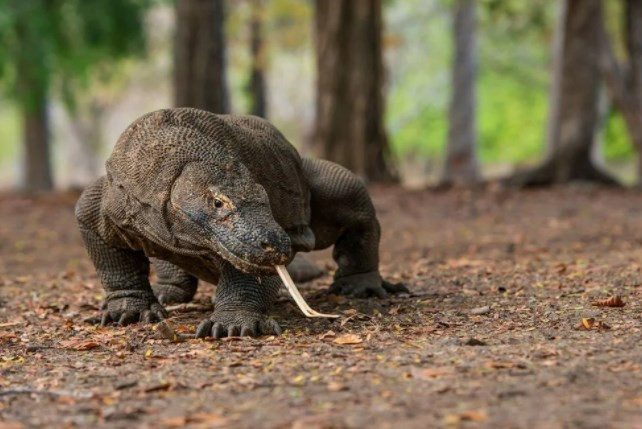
224	199
241	306
175	286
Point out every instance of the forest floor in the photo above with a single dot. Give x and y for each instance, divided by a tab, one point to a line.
499	330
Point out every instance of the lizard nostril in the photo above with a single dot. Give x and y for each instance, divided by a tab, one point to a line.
265	245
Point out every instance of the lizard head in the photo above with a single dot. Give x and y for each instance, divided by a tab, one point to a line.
228	212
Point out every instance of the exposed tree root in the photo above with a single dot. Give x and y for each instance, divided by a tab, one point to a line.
555	172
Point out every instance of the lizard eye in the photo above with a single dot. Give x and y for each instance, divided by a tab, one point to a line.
218	203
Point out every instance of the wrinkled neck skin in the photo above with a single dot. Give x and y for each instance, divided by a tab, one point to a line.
225	211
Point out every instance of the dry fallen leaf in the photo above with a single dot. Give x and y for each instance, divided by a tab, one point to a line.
471	416
79	345
501	365
11	425
8	324
348	339
602	326
173	422
327	334
6	336
211	419
207	420
480	310
335	386
167	331
428	373
587	323
161	387
613	301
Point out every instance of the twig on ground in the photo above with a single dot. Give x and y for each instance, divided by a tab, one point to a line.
29	391
190	306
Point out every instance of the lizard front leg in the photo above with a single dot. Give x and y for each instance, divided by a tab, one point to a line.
123	272
241	306
124	276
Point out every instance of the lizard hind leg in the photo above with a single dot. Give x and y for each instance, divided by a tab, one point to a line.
175	285
343	215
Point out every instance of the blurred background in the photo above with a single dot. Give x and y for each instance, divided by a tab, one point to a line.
422	92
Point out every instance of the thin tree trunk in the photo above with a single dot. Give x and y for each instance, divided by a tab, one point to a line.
624	79
32	89
461	166
37	168
573	131
553	126
257	51
349	125
199	70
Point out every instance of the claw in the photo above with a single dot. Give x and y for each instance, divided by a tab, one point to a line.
247	331
277	329
218	331
106	319
395	287
203	329
128	317
233	331
335	289
159	315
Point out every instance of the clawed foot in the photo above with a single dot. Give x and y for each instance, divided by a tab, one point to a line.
366	285
172	294
128	310
237	323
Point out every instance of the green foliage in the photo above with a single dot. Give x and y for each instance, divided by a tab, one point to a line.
417	49
49	42
514	74
617	141
289	22
514	39
516	17
9	132
514	42
512	119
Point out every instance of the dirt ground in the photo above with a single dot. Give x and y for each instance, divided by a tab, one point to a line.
494	333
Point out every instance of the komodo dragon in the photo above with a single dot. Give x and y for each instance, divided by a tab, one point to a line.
225	199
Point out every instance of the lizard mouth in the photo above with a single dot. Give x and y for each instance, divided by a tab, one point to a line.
243	264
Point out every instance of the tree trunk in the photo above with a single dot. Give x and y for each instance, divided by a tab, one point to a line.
199	69
624	80
32	91
257	51
349	125
557	48
461	166
572	132
37	168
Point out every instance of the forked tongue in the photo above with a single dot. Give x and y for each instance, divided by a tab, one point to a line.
296	295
